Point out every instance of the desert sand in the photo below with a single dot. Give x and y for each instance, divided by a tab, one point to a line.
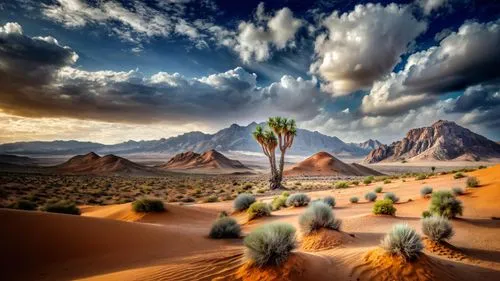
114	243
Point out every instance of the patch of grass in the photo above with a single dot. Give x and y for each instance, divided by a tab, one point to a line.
341	184
391	196
354	199
243	201
148	205
270	244
371	196
404	241
225	227
437	228
472	182
257	210
378	189
384	207
318	215
425	191
329	200
443	203
62	207
298	200
458	175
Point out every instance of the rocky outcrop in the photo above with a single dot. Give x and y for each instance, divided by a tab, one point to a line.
444	140
369	144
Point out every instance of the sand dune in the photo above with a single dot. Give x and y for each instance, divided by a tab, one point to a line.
325	164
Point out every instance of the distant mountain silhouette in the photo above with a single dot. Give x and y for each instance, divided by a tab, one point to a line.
209	160
325	164
443	140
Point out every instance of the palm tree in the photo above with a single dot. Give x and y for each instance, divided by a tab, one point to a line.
281	134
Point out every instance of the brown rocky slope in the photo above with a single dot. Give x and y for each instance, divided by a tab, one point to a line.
444	140
208	160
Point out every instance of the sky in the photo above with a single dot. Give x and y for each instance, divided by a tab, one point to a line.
118	70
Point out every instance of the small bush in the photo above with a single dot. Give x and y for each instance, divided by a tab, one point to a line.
458	191
297	200
222	214
330	201
426	214
404	241
270	244
421	177
368	180
458	176
257	210
472	182
285	194
148	205
384	207
443	203
318	215
278	202
426	190
341	184
22	204
211	199
371	196
225	227
355	182
62	207
378	189
354	199
437	228
243	201
387	181
391	196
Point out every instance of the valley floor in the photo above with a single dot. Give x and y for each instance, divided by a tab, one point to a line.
114	243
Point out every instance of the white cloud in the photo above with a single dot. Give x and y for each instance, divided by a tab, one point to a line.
431	5
11	28
363	45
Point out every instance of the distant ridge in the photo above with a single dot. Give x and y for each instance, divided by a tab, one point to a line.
443	140
325	164
208	160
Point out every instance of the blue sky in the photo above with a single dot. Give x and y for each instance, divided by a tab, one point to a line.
90	70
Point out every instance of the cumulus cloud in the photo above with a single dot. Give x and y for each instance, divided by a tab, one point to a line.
431	5
363	45
41	81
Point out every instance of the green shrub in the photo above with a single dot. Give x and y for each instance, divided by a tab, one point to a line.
148	205
426	214
62	207
298	199
384	207
225	227
368	180
23	204
443	203
378	189
318	215
437	228
458	176
426	190
371	196
355	182
243	201
472	182
341	184
222	214
404	241
270	244
278	202
354	199
387	181
458	191
285	194
257	210
330	201
391	196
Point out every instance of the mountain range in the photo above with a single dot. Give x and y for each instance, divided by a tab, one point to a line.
443	140
233	138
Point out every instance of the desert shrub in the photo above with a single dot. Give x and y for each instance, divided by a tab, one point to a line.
297	200
481	167
285	194
23	204
384	207
187	199
211	199
355	182
257	210
330	201
261	190
354	199
371	196
148	205
341	184
368	180
426	190
437	228
458	191
243	201
318	215
426	214
222	214
391	196
458	175
270	244
278	202
472	182
225	227
387	181
378	189
62	207
404	241
421	177
443	203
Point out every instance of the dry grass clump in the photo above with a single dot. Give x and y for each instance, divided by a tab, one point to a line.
318	215
23	204
378	189
371	196
403	241
443	203
243	201
425	191
225	227
354	199
257	210
458	191
341	184
391	196
62	207
458	175
472	182
329	200
148	206
437	228
298	200
384	207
